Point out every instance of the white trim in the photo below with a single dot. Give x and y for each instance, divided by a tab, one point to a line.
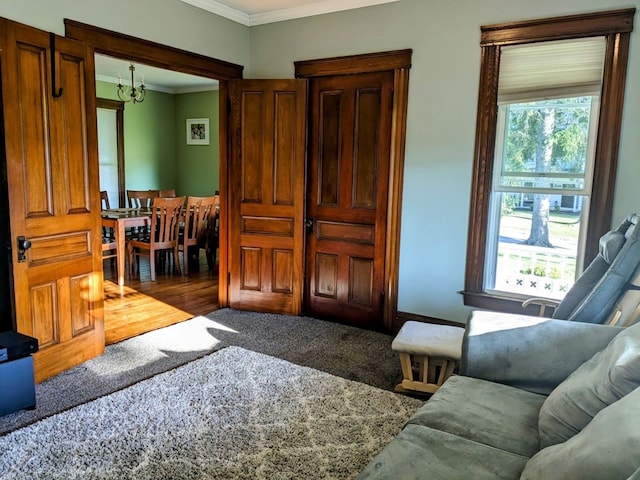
222	10
317	8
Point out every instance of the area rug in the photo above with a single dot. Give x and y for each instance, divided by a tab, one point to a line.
233	414
342	350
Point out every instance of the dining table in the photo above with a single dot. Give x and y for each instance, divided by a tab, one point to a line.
119	219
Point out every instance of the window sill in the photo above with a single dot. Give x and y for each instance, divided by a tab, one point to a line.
497	303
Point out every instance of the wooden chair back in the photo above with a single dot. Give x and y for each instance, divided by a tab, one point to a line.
197	217
141	198
104	200
212	237
167	193
108	235
166	214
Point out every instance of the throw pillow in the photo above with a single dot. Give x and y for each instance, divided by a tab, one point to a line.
608	376
607	448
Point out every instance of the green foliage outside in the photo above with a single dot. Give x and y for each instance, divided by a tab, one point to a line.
544	137
567	139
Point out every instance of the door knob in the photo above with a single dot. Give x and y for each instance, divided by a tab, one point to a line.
23	246
308	224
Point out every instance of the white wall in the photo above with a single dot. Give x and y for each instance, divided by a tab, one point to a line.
444	36
169	22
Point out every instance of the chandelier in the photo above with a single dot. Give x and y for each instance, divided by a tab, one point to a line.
133	93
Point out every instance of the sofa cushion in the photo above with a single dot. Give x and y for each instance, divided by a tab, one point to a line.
606	448
420	452
608	376
497	415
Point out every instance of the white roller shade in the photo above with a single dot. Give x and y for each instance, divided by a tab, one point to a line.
555	69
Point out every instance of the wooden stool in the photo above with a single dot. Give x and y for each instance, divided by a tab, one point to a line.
433	349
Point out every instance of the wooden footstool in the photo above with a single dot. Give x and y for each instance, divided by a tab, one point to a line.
429	352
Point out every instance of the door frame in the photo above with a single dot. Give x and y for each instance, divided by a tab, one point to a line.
398	62
135	49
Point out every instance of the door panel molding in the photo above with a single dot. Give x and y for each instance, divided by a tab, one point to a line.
399	62
267	124
52	185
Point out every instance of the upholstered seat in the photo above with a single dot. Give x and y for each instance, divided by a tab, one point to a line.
433	349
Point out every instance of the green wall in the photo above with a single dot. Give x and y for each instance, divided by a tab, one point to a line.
156	153
197	166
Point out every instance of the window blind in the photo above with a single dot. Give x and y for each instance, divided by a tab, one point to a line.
547	70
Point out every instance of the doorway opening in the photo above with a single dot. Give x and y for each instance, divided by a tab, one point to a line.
143	147
174	298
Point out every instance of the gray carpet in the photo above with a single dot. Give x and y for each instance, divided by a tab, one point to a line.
234	414
341	350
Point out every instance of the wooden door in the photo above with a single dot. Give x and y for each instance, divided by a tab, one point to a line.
267	127
348	181
52	174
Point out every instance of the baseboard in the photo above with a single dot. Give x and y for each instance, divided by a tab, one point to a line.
402	317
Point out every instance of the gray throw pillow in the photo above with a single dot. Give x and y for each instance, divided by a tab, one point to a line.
608	376
607	448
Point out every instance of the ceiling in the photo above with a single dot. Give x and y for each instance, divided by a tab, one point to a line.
246	12
258	12
108	69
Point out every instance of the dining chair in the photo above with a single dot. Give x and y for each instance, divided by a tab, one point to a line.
197	217
141	198
212	234
104	200
108	235
109	246
167	193
162	236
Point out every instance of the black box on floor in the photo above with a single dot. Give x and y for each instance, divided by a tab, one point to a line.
17	383
14	345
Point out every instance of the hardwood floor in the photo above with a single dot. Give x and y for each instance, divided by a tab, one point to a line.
142	305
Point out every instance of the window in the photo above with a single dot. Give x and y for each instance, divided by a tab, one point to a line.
110	117
549	114
548	104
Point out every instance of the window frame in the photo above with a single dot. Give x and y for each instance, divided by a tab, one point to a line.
118	107
616	26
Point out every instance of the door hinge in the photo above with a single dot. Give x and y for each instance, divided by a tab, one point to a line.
382	297
228	278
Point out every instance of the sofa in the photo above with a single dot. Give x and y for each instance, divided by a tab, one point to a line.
536	398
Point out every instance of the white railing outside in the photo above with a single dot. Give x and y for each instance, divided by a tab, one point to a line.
534	271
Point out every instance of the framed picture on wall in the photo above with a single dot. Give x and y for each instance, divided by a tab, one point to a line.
197	131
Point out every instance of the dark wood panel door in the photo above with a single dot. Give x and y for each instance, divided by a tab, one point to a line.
267	127
52	170
349	158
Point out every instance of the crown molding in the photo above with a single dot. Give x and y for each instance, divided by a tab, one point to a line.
250	20
222	10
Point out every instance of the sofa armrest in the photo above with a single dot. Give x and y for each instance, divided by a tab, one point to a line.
531	353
